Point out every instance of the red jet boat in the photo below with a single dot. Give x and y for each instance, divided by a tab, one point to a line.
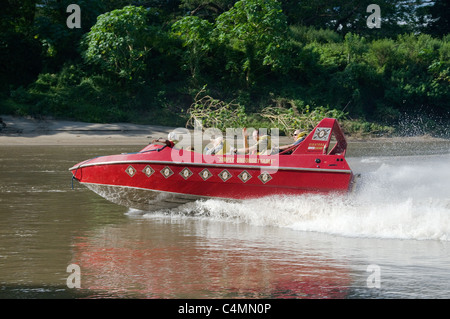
165	177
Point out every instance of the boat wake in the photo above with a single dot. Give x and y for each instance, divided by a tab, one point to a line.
393	200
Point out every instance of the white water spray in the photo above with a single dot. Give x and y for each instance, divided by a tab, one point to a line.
393	200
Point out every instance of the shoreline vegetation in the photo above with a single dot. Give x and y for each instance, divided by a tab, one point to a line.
228	63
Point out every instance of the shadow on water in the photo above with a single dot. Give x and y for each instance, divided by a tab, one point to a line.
39	292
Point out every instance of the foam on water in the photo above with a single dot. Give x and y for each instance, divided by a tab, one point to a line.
397	197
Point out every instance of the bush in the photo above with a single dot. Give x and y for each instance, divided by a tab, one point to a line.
212	113
287	120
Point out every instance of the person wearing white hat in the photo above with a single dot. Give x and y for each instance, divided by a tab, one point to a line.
172	139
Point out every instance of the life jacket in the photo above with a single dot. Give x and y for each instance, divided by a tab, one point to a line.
265	151
300	137
224	150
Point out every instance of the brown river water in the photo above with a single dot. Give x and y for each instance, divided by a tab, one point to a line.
390	239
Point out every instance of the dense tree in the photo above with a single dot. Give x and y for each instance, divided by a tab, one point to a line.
60	43
439	18
207	9
195	34
120	41
257	30
17	15
20	53
345	16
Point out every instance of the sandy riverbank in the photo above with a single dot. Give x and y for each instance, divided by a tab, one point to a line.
28	131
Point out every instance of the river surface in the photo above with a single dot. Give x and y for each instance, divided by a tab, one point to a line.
389	239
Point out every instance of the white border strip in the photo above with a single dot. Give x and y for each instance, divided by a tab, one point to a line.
215	165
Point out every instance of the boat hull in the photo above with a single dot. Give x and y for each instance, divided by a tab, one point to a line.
157	184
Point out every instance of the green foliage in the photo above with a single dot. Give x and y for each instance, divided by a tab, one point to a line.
207	9
256	30
195	34
17	16
120	41
344	16
305	34
70	94
58	42
266	62
419	76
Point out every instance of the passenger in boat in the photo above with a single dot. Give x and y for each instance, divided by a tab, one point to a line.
217	146
170	141
261	147
164	141
298	136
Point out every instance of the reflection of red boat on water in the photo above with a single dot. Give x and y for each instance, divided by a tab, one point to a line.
124	261
163	176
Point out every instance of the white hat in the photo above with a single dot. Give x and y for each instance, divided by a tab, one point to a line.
173	137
